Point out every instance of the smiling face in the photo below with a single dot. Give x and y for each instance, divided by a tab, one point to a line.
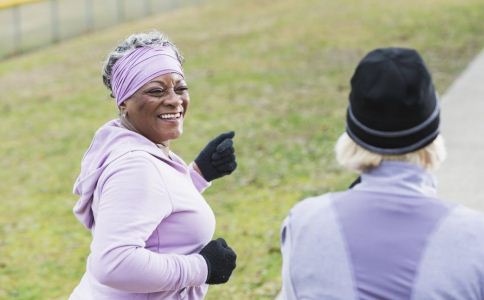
158	108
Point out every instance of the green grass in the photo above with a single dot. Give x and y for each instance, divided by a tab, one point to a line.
276	72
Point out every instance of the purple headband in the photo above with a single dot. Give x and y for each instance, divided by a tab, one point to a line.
140	66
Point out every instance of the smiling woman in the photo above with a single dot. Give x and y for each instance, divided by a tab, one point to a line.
157	109
151	226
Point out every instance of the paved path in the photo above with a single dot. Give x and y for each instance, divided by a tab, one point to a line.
461	177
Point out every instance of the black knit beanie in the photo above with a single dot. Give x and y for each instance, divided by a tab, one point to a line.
393	106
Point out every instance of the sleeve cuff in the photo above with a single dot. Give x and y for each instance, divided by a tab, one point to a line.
200	183
202	270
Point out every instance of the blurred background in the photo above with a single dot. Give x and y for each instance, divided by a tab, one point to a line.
276	72
29	24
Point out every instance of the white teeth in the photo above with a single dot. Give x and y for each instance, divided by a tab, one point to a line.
170	116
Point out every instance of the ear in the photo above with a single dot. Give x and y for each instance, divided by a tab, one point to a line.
123	109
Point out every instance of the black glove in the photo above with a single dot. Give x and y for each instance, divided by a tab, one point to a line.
217	159
220	260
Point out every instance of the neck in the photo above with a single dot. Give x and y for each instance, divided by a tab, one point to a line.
164	148
127	124
399	176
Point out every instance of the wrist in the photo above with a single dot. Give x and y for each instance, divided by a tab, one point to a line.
201	184
196	168
207	265
204	269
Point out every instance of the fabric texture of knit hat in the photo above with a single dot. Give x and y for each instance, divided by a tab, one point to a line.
393	105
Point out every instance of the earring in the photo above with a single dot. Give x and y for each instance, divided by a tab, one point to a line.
125	114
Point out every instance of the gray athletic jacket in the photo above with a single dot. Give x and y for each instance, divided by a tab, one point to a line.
389	237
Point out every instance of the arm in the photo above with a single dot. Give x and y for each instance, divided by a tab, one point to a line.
200	183
133	202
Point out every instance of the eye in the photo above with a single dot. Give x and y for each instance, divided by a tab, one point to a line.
181	89
157	92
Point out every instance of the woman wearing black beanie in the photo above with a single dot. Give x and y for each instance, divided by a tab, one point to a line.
390	236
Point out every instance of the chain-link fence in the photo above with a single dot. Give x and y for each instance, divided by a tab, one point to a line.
25	24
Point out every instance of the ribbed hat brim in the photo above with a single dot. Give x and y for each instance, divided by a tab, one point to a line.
393	143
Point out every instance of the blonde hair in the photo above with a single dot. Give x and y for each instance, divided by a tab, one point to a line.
354	157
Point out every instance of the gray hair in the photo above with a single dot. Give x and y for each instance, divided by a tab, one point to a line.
134	41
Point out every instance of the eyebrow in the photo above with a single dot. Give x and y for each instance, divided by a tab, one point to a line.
164	83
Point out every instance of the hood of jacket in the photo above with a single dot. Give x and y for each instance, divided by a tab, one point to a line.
110	142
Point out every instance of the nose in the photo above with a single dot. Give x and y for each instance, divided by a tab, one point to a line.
173	99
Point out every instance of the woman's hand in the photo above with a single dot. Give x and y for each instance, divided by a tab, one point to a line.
217	159
220	260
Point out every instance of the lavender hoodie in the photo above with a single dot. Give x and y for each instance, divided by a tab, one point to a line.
147	217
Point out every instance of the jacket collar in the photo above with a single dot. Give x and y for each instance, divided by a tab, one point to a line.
398	177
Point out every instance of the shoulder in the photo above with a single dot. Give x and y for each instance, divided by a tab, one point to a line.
134	158
312	204
463	217
310	212
138	165
462	213
450	266
465	222
460	232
